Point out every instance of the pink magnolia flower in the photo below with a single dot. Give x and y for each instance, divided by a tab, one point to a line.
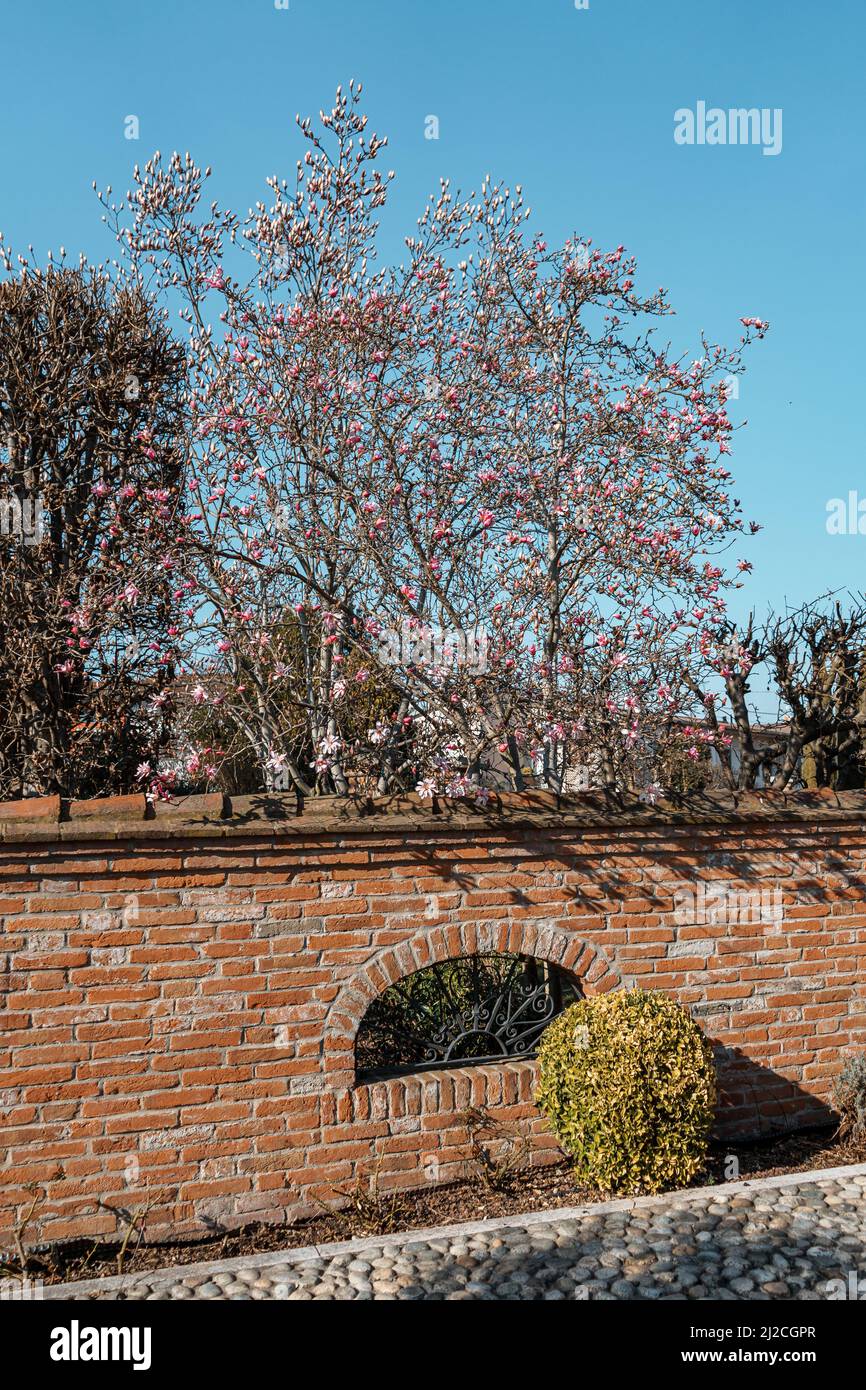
651	793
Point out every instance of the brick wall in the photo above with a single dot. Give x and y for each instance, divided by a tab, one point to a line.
183	990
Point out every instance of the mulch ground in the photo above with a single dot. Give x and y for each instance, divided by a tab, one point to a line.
475	1199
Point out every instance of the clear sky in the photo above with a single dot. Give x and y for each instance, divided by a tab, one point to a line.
578	106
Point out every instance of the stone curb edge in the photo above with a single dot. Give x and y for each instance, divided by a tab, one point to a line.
306	1253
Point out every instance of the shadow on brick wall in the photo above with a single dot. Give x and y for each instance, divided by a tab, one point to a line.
756	1102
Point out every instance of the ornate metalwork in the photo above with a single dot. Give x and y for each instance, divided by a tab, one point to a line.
459	1012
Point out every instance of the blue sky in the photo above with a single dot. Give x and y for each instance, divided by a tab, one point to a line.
578	106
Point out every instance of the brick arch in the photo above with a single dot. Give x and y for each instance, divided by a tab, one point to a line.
587	963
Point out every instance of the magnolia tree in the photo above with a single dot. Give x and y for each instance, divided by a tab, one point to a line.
91	400
452	521
606	474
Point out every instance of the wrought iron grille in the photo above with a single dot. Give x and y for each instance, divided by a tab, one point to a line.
467	1010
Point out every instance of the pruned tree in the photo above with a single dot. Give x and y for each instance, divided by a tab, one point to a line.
91	401
815	657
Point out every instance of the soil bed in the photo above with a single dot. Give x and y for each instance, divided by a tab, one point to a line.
527	1190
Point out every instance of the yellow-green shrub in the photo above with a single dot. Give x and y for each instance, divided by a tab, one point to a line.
628	1083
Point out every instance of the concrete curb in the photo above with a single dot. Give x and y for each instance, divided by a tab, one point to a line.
301	1255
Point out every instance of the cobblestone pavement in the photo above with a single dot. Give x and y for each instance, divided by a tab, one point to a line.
801	1240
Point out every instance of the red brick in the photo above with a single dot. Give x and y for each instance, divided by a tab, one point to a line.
130	807
31	808
220	1052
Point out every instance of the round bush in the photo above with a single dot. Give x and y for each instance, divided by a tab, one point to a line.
628	1083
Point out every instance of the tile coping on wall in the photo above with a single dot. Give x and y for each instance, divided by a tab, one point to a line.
306	1253
216	816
